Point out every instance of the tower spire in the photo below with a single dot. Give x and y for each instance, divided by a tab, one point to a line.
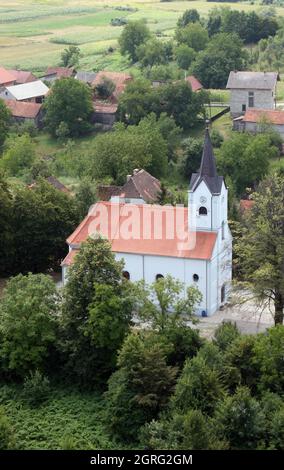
208	162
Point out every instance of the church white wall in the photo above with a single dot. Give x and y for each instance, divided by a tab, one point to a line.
196	200
146	267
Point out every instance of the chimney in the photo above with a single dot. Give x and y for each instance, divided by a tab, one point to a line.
136	171
128	177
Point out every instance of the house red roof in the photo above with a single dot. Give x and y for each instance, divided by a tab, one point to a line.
195	84
22	109
246	204
6	76
256	115
144	229
105	107
118	78
141	185
60	72
23	77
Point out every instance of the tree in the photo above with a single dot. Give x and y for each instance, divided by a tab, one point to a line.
85	196
260	248
193	35
5	120
140	388
151	53
6	232
42	218
189	16
192	430
225	334
70	101
223	54
240	419
162	304
198	387
179	101
269	360
185	55
19	156
133	35
95	312
105	88
28	313
254	153
115	155
70	56
192	153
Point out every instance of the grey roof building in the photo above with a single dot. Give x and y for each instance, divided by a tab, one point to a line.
86	77
252	90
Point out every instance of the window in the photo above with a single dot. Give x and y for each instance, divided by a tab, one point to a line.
251	99
126	275
223	230
223	293
202	210
244	108
159	276
195	277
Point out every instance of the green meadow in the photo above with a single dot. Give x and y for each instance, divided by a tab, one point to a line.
34	33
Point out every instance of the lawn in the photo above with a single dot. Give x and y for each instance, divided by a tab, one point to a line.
33	33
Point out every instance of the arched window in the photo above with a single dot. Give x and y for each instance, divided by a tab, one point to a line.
195	277
223	293
126	275
159	276
202	210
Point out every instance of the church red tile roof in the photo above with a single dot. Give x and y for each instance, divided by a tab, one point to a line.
149	231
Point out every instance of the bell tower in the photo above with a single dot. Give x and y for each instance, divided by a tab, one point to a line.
208	194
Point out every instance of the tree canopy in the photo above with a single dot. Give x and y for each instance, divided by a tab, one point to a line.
70	104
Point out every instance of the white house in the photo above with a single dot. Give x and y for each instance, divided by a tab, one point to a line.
192	244
251	90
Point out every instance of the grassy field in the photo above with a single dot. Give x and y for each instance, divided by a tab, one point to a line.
33	33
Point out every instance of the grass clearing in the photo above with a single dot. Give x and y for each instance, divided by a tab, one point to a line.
33	33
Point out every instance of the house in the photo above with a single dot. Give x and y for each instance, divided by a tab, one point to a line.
54	73
54	182
22	77
252	90
105	110
255	119
192	244
6	79
140	188
25	112
194	83
86	77
34	92
246	205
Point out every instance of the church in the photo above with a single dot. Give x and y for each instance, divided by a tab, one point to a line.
193	244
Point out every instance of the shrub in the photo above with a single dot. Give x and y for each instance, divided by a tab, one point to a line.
6	433
36	388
